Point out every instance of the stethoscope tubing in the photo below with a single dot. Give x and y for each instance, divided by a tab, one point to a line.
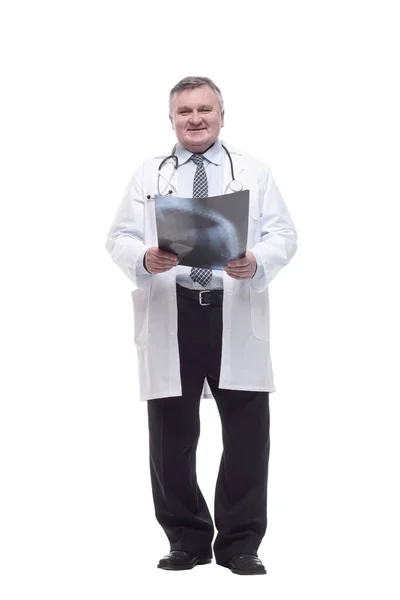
176	165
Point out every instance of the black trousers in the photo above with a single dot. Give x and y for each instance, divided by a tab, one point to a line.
240	505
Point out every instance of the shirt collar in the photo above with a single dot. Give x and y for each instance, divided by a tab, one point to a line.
213	154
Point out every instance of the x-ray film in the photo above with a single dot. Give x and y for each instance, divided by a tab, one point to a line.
203	232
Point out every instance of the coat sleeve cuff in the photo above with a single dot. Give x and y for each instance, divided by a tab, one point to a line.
257	282
259	272
141	267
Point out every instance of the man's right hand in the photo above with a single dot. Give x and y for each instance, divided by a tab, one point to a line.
159	261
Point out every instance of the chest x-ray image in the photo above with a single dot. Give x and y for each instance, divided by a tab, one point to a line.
203	232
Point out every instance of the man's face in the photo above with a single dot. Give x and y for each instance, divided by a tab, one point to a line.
196	118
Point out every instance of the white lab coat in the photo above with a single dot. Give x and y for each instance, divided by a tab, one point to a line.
272	238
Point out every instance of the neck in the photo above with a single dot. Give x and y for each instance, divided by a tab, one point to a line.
202	152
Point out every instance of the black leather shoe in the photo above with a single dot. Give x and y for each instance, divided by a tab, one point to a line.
246	564
177	560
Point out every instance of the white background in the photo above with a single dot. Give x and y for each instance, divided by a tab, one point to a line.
311	88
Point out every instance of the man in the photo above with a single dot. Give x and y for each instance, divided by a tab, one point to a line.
203	332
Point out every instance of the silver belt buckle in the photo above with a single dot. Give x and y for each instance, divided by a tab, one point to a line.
201	297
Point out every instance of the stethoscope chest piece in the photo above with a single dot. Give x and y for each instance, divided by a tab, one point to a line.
235	186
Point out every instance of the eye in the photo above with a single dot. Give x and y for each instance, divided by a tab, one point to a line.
206	110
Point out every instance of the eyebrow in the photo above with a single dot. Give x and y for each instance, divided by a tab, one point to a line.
189	108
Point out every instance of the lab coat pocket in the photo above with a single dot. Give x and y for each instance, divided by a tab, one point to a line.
140	299
255	212
259	309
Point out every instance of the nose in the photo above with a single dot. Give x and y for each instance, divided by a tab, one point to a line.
195	117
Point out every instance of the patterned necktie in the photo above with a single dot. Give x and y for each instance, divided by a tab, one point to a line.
200	190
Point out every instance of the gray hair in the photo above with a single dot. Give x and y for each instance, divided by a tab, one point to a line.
191	83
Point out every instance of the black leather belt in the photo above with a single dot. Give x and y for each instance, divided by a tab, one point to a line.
202	297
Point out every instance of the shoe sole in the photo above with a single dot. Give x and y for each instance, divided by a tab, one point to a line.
253	572
203	561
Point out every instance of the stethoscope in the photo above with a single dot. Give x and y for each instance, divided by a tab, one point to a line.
233	186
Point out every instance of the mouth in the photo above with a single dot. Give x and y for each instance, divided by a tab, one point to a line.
202	129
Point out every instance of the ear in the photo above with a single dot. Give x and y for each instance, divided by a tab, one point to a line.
222	118
172	122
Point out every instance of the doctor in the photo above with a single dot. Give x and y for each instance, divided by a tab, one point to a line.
203	333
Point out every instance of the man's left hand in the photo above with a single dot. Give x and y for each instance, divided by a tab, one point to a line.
243	268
